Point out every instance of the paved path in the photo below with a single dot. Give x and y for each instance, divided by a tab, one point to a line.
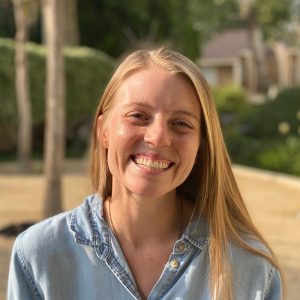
274	204
273	201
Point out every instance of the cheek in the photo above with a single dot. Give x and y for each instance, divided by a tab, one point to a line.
117	132
190	145
120	130
189	152
121	137
128	132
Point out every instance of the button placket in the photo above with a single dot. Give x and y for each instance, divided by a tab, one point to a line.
179	250
177	263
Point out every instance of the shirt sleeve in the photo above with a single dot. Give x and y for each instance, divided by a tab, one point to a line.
274	291
21	285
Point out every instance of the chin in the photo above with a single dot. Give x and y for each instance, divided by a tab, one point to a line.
149	193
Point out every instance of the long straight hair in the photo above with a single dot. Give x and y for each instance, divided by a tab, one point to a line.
218	198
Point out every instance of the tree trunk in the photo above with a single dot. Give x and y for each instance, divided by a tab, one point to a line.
257	45
70	32
55	111
22	87
297	69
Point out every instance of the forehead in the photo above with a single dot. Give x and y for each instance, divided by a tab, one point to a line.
158	86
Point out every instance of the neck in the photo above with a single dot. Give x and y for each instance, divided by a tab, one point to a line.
141	221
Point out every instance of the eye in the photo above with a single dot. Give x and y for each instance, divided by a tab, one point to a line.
138	115
138	118
182	124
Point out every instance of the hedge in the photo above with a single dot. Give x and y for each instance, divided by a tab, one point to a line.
87	71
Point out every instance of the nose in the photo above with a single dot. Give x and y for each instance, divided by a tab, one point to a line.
158	134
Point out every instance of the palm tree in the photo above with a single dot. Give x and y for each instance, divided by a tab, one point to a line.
55	110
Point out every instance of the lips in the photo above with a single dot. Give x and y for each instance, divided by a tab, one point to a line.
154	164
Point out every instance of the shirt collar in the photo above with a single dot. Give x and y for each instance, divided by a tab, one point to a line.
89	227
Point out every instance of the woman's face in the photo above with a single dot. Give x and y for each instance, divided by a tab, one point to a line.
153	133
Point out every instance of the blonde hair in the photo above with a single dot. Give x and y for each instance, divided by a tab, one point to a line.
218	198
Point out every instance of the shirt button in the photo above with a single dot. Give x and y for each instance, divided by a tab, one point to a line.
181	247
174	264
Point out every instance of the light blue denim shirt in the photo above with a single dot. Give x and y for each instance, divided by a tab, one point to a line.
75	255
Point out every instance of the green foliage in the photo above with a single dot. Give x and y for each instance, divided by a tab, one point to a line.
7	22
233	108
87	72
281	156
271	15
8	110
230	99
265	120
255	139
121	25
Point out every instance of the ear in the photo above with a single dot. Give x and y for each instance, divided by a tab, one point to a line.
102	133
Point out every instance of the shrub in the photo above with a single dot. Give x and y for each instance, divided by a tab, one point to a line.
230	99
87	72
233	107
277	118
282	156
271	139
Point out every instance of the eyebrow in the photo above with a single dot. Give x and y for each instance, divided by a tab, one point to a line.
139	104
179	112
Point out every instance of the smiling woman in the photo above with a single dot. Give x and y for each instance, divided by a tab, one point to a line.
167	220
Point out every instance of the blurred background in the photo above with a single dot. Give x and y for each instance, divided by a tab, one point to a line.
57	56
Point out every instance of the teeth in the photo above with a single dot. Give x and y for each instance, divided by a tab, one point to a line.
157	164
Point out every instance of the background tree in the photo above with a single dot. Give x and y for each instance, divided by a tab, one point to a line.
145	22
184	25
263	19
25	12
293	34
55	107
7	21
70	32
250	13
22	85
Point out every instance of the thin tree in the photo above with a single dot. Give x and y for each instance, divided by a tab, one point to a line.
70	33
249	12
21	9
55	111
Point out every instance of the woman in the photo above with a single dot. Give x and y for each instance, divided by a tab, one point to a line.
167	221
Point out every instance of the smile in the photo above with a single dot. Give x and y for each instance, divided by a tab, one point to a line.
147	162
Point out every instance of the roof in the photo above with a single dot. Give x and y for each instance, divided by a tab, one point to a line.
226	44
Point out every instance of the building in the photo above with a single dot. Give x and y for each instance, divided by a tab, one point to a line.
228	59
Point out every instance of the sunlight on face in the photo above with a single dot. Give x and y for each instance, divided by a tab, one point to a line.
153	133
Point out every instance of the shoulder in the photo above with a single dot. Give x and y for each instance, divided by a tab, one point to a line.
245	258
255	272
241	255
57	233
49	249
31	254
43	235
